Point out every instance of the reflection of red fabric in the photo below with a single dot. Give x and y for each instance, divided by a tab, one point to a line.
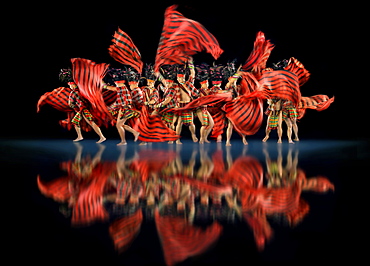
88	207
152	161
181	240
246	172
181	38
261	229
57	189
124	230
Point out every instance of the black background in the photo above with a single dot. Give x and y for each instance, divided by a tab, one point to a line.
49	35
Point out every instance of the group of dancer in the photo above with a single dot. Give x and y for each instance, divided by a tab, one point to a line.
155	101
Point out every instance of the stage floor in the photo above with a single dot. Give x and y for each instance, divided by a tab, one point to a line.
189	204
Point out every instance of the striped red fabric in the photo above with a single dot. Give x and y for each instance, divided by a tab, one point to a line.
58	99
153	129
88	76
297	68
123	231
181	38
181	240
259	55
281	84
318	102
124	50
245	115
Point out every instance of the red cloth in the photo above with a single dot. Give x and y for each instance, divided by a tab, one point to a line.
88	77
259	55
318	102
123	50
181	38
297	68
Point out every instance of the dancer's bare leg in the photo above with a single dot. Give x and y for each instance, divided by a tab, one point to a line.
133	131
179	129
267	130
280	128
208	130
289	130
229	132
96	129
244	139
79	133
295	129
120	128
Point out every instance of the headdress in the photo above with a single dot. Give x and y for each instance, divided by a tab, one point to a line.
280	65
169	72
216	72
202	72
229	69
65	75
149	72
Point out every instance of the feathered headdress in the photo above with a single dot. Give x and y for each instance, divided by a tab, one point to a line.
132	75
216	72
117	74
280	65
169	72
229	69
65	75
149	72
202	72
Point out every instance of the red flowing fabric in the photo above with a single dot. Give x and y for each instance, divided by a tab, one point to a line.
88	76
245	114
181	38
318	102
280	84
58	99
123	50
153	129
124	230
261	51
181	240
297	68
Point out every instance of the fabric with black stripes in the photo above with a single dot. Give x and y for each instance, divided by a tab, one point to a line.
181	38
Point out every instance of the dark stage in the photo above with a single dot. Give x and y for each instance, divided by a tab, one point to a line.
64	214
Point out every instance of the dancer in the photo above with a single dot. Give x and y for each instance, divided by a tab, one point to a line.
122	108
274	119
79	106
186	92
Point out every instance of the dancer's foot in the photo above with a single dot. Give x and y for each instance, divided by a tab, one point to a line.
170	142
178	142
296	139
195	139
143	143
265	138
228	143
245	142
136	136
101	140
207	141
78	139
279	141
291	142
122	143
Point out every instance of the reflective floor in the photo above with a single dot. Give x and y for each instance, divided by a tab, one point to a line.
189	204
